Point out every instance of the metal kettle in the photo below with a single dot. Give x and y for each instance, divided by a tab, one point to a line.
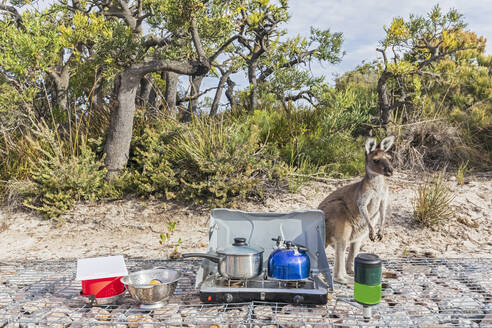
289	261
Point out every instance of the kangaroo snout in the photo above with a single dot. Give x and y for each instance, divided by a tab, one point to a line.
388	171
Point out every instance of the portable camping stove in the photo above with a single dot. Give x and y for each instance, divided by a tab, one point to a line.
303	227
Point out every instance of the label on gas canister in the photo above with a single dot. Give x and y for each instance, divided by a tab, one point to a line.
368	276
368	295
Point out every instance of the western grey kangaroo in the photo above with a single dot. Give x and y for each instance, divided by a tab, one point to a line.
351	212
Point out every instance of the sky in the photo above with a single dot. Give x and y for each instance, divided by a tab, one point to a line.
362	21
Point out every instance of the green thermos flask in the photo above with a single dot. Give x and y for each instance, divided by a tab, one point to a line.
367	280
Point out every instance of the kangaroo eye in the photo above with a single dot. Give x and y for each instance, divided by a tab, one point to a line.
376	161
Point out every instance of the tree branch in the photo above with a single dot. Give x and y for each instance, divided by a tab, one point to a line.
196	41
243	56
385	59
244	42
188	98
439	57
300	95
222	48
419	72
13	11
124	13
263	45
299	59
153	41
155	65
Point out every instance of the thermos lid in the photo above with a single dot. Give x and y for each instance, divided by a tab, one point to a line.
367	260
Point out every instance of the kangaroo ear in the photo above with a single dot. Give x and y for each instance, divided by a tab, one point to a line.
387	142
370	145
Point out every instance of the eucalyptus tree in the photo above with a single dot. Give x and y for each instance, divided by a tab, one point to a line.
285	71
18	68
266	53
32	51
218	29
171	42
411	50
55	51
261	26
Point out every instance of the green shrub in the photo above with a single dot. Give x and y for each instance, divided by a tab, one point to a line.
339	153
432	202
475	129
150	159
59	178
219	161
322	138
205	160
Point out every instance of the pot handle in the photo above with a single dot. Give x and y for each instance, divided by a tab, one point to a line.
213	258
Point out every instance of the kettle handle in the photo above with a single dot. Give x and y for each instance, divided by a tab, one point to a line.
301	248
298	246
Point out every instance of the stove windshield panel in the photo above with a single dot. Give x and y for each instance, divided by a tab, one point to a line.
305	227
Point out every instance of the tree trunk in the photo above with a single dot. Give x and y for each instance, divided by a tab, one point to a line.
151	102
62	81
145	87
117	147
97	100
384	104
253	92
230	92
196	83
218	94
126	84
171	90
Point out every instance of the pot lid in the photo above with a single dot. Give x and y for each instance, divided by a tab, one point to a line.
101	267
240	247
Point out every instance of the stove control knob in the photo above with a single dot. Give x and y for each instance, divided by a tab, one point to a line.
228	298
298	299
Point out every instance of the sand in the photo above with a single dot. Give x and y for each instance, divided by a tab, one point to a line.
132	227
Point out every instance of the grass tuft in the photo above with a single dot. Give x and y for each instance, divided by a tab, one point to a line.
460	173
432	202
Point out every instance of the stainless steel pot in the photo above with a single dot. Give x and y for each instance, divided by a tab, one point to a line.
237	262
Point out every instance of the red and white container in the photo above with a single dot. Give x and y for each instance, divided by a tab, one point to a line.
100	276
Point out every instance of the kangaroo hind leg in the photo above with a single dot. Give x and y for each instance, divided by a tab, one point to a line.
354	250
340	274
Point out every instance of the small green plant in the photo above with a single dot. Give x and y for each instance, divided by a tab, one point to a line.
405	252
432	202
165	239
462	170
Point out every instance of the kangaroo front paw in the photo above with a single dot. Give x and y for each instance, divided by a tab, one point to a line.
380	235
372	235
350	270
